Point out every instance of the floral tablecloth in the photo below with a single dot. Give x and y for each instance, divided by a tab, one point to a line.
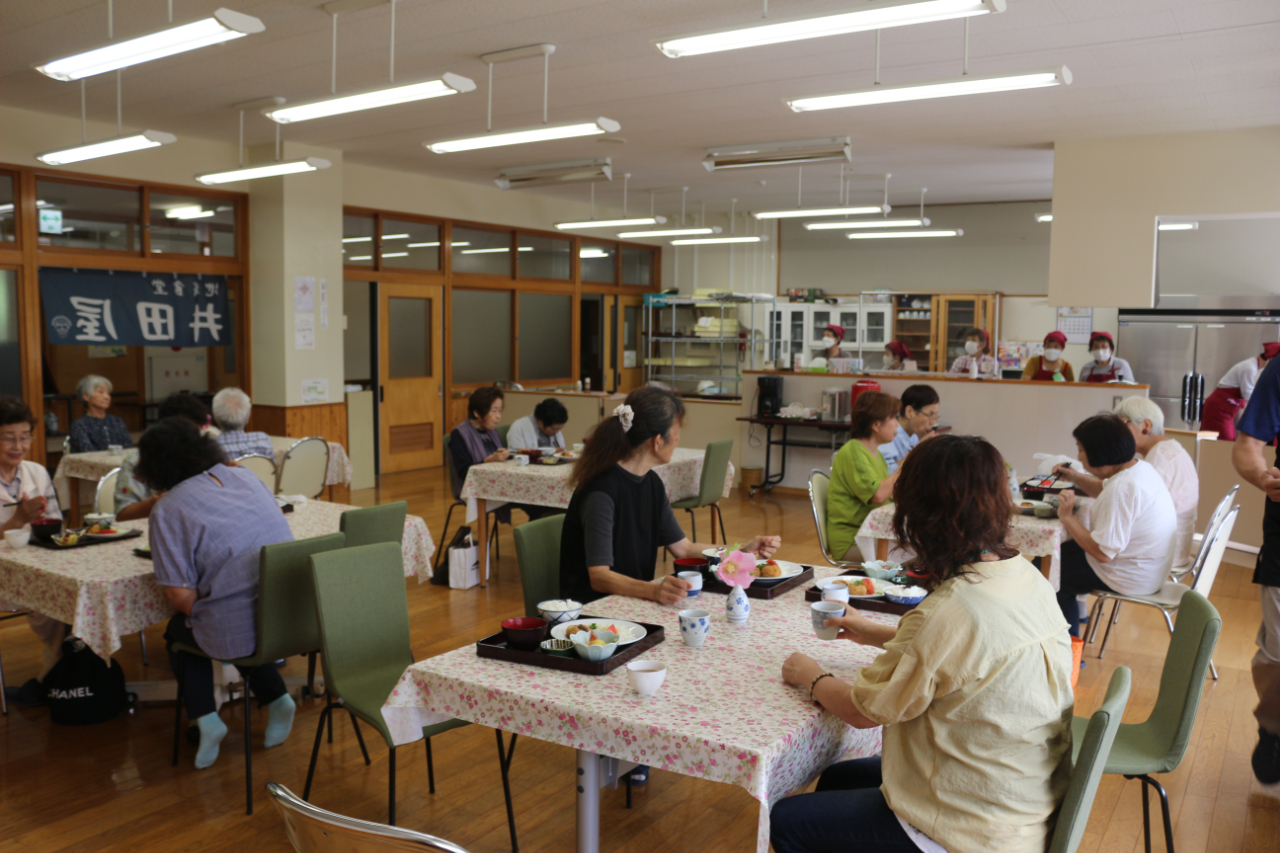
339	463
106	591
723	713
548	485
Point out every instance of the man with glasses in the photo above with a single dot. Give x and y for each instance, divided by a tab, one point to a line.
919	415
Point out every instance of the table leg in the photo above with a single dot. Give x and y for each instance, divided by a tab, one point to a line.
882	549
768	455
72	513
482	521
588	802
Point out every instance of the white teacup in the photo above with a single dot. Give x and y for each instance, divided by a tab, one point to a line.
105	519
18	538
646	676
521	458
832	591
820	611
694	627
578	447
694	580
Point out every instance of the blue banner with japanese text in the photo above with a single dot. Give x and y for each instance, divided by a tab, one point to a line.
100	308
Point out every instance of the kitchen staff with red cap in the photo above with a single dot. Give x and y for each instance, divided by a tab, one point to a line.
1105	367
831	337
977	348
1050	367
895	353
1224	405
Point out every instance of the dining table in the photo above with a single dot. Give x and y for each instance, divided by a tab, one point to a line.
723	713
106	591
491	484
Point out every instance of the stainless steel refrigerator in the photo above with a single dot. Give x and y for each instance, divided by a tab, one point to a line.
1182	353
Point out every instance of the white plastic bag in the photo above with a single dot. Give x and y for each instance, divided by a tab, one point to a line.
464	566
1046	462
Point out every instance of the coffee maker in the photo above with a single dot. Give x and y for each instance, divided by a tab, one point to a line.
769	390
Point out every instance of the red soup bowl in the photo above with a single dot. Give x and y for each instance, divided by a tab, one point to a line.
525	632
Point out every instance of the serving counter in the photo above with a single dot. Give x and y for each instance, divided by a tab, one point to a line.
1021	418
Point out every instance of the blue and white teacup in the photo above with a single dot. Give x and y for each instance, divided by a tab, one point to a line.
694	625
694	580
821	611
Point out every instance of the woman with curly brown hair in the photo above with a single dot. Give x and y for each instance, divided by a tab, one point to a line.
973	688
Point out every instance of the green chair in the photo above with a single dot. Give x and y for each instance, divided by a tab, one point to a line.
819	484
1158	745
363	612
1091	747
374	524
538	555
285	623
715	467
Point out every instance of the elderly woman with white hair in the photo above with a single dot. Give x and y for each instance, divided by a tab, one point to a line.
1171	461
97	430
231	408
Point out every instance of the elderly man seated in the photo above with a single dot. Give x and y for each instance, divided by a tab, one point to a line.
231	409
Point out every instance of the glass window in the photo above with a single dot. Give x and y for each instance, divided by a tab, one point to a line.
409	337
357	240
10	354
410	245
637	266
8	216
597	263
546	336
84	216
484	252
481	330
188	225
544	257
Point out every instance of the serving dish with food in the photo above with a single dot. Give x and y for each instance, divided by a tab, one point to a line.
1040	509
878	601
777	579
627	632
574	656
81	537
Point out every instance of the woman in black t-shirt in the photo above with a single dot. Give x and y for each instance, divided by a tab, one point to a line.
620	515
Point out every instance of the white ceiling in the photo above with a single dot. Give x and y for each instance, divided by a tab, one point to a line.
1140	67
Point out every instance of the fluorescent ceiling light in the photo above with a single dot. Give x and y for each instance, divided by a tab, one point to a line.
822	211
107	147
190	211
593	253
541	133
395	254
671	232
223	26
611	223
788	153
436	243
267	170
363	258
356	239
890	235
448	84
555	174
8	208
869	16
706	241
865	223
491	251
395	236
1044	217
970	85
1179	226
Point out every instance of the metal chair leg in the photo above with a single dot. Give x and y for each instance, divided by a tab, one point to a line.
1164	812
142	637
715	507
331	727
693	522
356	725
447	516
627	779
177	721
391	794
248	753
504	762
431	769
315	750
1107	636
1095	616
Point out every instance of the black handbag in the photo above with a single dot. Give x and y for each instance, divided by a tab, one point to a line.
82	688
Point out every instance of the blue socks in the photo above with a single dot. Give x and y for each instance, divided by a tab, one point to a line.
279	721
212	731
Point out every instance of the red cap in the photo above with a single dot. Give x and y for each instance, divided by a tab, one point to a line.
837	332
1270	351
899	349
1055	337
1102	336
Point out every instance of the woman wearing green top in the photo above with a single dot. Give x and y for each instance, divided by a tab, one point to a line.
860	478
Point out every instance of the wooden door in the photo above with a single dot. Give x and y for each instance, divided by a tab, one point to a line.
630	371
410	375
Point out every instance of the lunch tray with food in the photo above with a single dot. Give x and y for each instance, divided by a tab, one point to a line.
1035	488
712	583
495	646
82	539
877	604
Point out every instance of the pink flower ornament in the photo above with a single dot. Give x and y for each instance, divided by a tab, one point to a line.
736	567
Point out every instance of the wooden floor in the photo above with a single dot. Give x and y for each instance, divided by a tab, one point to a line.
110	787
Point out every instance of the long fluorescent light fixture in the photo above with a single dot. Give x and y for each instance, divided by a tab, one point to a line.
107	147
892	235
611	223
708	241
865	223
449	84
823	211
1044	217
671	232
541	133
555	174
1178	226
223	26
970	85
869	16
189	211
491	251
787	153
592	253
267	170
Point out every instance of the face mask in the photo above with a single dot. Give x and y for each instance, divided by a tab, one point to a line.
1052	354
828	342
1102	356
972	347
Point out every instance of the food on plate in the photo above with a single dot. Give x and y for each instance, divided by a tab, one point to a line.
102	530
66	540
593	640
860	586
559	604
590	628
767	569
569	454
1027	503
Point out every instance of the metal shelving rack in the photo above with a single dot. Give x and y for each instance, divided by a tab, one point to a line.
726	370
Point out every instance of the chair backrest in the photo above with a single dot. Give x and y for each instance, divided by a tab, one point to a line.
503	429
363	612
304	468
286	610
1217	549
263	466
1073	817
538	555
454	485
715	467
315	830
374	524
819	483
1211	527
1181	681
104	499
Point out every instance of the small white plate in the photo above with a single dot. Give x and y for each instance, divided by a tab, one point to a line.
628	632
789	570
107	537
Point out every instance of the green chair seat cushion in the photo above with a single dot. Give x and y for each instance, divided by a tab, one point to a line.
1139	749
687	503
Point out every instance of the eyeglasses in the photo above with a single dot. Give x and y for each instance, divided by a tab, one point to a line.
23	440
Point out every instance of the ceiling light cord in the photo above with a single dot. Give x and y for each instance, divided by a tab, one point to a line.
393	41
878	55
766	9
625	178
923	190
799	186
84	123
333	71
966	47
546	83
489	120
885	205
242	139
593	201
171	11
111	20
119	107
277	143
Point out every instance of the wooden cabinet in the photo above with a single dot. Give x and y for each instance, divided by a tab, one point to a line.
953	316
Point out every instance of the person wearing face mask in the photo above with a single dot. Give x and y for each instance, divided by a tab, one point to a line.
1232	394
1050	367
1105	367
919	415
895	353
831	337
977	348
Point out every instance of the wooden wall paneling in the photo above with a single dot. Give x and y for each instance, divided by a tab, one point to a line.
30	326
